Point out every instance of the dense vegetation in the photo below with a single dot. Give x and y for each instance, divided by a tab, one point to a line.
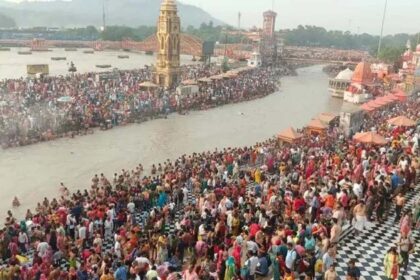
118	33
6	22
209	32
391	54
206	32
312	36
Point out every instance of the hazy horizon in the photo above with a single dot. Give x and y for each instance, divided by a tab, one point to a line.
356	16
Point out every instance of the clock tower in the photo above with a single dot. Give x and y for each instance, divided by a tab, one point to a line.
168	36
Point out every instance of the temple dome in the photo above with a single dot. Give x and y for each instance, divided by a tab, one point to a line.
362	73
346	75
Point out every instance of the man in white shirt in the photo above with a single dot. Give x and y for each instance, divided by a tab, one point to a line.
82	232
42	249
131	207
358	190
70	223
109	225
252	246
403	163
23	241
185	195
328	259
252	264
291	256
117	247
111	212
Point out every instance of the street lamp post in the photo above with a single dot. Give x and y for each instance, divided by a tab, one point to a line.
224	30
382	27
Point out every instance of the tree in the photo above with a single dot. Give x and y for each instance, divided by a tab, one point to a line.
317	36
6	21
209	32
118	33
225	65
391	54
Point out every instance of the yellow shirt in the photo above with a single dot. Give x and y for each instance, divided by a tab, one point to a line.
107	277
257	176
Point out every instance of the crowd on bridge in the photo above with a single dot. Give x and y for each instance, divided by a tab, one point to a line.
273	210
324	54
45	108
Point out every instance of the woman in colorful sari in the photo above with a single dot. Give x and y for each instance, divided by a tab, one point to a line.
230	271
275	264
392	264
257	175
406	222
416	215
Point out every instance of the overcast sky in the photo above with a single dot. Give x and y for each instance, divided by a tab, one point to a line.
366	15
403	16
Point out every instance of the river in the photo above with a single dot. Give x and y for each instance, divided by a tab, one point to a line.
13	65
33	172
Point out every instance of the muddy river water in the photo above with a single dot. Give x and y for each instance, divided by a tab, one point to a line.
33	172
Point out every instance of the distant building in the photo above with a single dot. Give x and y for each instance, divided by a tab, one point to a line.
255	60
381	70
416	56
362	84
269	25
340	83
351	119
268	44
410	66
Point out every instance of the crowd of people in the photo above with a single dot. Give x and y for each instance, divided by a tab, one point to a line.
273	210
327	54
45	108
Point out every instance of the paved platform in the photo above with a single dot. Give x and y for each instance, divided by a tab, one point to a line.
369	248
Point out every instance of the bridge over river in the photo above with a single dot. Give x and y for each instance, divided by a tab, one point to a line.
190	45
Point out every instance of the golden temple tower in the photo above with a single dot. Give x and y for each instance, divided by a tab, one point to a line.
168	36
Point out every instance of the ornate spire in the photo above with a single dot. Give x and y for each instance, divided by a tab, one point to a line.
408	45
168	5
168	35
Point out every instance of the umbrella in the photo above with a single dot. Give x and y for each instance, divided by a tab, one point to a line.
402	121
367	107
373	105
289	135
316	124
402	96
231	74
326	117
381	101
391	97
148	84
216	77
370	138
189	82
205	80
65	99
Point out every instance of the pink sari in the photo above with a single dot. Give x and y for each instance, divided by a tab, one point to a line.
405	225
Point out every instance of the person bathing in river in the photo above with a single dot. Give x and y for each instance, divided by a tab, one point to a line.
16	202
